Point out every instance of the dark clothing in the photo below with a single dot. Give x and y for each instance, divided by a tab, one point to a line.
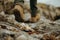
33	7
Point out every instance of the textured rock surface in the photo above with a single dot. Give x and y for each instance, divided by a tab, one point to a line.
44	29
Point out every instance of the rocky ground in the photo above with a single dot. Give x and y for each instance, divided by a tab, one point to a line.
44	29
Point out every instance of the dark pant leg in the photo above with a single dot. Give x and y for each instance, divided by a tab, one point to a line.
33	7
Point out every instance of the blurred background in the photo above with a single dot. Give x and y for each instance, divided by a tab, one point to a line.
49	2
52	2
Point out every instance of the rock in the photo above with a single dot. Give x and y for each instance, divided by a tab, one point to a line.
25	37
44	29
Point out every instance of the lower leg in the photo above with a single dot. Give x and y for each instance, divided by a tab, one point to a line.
34	15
